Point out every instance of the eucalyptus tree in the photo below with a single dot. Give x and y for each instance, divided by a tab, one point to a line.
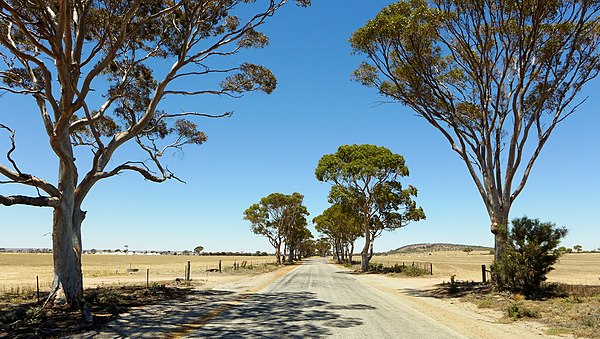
97	73
322	247
278	217
298	239
342	225
367	178
494	77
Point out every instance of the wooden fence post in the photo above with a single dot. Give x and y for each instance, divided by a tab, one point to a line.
219	266
431	268
483	275
147	278
37	283
188	271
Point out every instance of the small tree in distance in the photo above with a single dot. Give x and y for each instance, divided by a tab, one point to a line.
467	250
198	249
578	248
322	246
531	248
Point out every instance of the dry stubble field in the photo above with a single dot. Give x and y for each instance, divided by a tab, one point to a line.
573	268
18	271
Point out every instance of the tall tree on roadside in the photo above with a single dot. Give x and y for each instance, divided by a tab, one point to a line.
94	70
494	77
367	177
276	217
295	230
299	241
343	226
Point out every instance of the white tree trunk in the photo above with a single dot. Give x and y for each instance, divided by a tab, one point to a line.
67	246
364	265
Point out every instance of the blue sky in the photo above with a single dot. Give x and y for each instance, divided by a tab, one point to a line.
273	143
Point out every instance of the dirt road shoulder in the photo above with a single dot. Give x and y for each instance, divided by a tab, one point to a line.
461	316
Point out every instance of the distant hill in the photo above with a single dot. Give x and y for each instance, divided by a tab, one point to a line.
417	248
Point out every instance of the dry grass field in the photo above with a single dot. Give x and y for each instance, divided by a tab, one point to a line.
18	271
574	268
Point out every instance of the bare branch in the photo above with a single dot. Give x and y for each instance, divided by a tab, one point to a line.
12	148
30	201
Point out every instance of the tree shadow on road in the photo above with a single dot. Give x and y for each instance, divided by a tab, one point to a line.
224	314
157	321
285	314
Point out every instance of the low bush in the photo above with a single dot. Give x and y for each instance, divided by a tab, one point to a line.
517	311
411	271
530	248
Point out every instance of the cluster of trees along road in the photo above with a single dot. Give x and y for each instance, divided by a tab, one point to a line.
367	198
494	77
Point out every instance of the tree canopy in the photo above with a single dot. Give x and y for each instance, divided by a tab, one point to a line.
342	226
366	178
281	218
494	77
97	72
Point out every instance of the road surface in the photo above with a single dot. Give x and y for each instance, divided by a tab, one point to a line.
318	300
313	300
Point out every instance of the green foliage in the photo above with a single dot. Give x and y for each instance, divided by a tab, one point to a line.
280	218
98	73
198	249
563	250
411	271
341	225
155	288
32	315
366	179
531	248
578	248
591	320
494	77
322	246
35	314
517	311
467	250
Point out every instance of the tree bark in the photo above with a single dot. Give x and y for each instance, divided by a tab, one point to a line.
278	253
499	224
291	254
364	265
66	245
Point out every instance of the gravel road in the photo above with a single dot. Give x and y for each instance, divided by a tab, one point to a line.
318	300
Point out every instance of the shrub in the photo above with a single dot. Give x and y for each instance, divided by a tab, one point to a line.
529	251
517	311
35	314
412	271
376	267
